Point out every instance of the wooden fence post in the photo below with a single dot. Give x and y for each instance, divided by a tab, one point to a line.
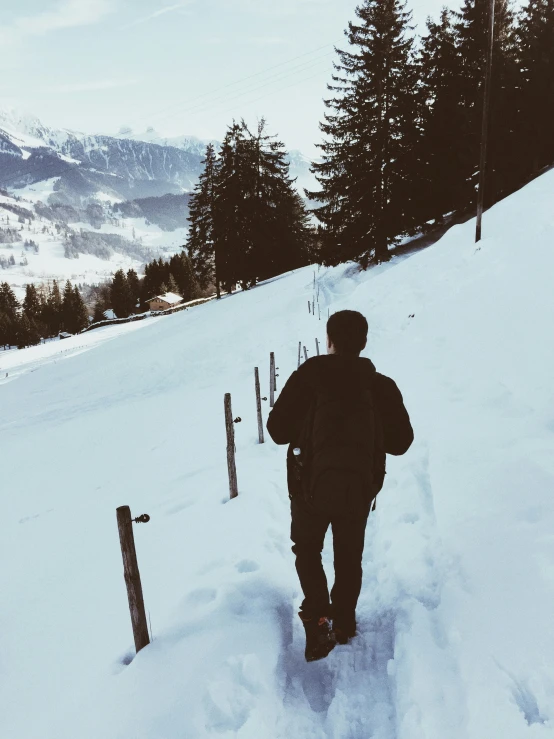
305	354
299	352
317	347
309	308
230	429
132	576
271	379
259	406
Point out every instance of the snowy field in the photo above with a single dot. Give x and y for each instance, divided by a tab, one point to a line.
455	615
50	263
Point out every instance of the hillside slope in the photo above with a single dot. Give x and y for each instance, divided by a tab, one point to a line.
455	615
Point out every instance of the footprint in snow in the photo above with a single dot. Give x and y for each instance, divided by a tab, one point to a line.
247	565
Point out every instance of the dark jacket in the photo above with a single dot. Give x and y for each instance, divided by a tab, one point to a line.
286	420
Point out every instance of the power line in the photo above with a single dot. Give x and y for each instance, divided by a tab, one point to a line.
250	102
206	107
236	82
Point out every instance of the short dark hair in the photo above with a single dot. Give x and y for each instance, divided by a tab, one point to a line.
347	331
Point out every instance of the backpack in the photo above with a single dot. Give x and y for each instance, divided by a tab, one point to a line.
338	448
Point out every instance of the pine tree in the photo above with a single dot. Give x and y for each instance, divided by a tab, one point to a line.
472	34
188	286
278	225
371	133
54	310
536	55
122	301
149	285
7	332
8	302
31	303
34	333
172	285
134	288
439	189
182	270
98	312
230	210
80	313
200	242
260	224
27	333
68	308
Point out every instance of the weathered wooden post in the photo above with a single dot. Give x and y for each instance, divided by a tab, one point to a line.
299	352
230	429
132	575
317	347
305	354
271	379
309	307
259	406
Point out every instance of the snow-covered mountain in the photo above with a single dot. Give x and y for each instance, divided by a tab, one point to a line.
299	164
121	168
455	616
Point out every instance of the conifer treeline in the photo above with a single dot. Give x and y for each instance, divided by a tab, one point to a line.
127	293
45	312
248	223
403	121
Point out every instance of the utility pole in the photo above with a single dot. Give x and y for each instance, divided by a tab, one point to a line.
485	124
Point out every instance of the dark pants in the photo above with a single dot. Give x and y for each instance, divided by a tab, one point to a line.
308	529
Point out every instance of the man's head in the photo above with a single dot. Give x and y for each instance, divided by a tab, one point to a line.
346	333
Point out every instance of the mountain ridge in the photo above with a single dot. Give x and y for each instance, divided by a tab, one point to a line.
125	166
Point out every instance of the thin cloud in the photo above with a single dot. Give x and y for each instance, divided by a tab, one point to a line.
158	13
268	41
90	86
65	14
61	15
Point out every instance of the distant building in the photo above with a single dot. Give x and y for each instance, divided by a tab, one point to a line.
65	335
163	302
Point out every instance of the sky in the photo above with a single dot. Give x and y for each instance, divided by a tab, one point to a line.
186	67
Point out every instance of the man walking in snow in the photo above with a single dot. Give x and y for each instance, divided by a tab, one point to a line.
340	418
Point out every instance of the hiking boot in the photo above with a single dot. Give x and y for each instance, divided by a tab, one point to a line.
320	639
344	629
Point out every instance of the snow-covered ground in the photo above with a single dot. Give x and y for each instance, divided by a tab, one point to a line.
455	615
50	263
